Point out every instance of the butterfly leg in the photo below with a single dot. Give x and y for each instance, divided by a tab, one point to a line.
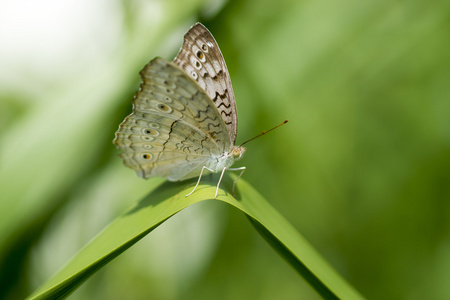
200	177
218	184
234	183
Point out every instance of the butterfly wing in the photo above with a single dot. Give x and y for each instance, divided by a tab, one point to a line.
174	129
201	59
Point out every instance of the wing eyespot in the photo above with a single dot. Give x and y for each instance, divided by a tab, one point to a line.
200	55
149	131
146	156
147	138
164	108
194	75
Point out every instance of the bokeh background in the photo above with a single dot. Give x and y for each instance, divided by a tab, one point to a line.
361	170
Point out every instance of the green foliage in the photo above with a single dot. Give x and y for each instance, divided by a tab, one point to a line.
169	199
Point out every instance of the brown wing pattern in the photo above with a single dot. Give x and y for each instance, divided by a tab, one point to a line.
201	59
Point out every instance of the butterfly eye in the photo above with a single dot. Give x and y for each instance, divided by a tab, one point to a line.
146	156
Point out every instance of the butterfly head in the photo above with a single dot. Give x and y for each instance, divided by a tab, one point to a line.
238	152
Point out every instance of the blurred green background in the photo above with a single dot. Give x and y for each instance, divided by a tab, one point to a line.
362	169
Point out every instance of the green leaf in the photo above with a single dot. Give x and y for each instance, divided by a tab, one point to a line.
167	200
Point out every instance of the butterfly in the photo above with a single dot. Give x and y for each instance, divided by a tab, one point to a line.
184	119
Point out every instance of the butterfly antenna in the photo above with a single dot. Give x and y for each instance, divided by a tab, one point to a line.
264	132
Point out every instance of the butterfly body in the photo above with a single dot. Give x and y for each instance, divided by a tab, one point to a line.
184	119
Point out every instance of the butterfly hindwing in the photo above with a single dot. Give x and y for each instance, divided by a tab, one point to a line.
174	129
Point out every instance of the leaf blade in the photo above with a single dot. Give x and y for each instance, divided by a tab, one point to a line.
167	200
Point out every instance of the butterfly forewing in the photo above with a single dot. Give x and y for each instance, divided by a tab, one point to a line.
201	59
175	129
